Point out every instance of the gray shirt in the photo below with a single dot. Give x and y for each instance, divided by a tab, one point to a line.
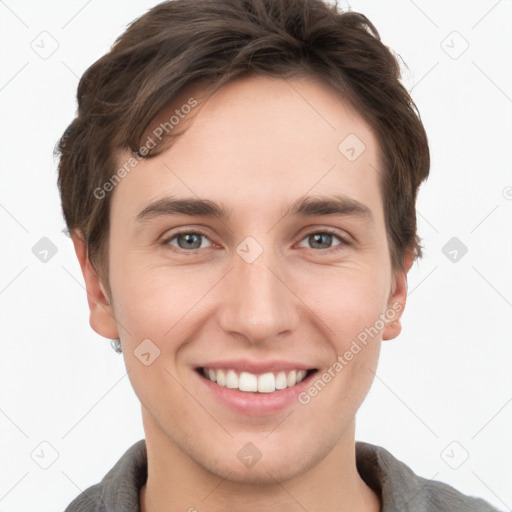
399	488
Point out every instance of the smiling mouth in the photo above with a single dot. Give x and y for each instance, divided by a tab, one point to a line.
255	383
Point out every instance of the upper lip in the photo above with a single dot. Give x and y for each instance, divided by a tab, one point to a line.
257	367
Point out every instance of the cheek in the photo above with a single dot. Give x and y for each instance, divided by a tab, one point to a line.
348	301
351	311
156	308
150	301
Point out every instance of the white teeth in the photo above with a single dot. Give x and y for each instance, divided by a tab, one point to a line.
249	382
231	379
266	383
221	378
281	381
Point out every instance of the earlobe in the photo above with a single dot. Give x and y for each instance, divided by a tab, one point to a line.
101	316
397	299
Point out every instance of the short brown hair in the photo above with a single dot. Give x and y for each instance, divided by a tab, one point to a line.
180	43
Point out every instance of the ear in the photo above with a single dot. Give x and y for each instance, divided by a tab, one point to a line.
397	298
101	316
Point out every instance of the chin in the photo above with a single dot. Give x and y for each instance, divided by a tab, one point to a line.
261	462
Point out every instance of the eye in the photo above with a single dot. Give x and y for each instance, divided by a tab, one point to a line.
323	240
187	240
190	241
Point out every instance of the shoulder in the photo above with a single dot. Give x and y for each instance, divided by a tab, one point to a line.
119	489
401	489
88	501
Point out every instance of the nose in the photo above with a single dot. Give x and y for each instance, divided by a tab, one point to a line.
257	302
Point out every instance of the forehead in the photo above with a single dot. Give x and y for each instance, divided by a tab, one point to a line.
259	141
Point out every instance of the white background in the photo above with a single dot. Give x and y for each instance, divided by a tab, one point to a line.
446	378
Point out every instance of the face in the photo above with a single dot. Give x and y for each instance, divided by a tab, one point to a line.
254	292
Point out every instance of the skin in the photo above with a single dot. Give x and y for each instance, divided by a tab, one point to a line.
257	144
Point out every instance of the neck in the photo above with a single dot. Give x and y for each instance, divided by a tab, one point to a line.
176	482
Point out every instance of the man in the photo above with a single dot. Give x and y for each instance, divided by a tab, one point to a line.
240	186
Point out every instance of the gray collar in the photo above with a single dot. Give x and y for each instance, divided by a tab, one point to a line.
399	488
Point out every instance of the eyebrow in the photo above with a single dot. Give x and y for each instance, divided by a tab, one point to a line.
306	206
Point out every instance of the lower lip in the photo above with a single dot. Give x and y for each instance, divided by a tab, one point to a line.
256	404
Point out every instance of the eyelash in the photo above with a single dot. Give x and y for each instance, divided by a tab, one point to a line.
343	241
